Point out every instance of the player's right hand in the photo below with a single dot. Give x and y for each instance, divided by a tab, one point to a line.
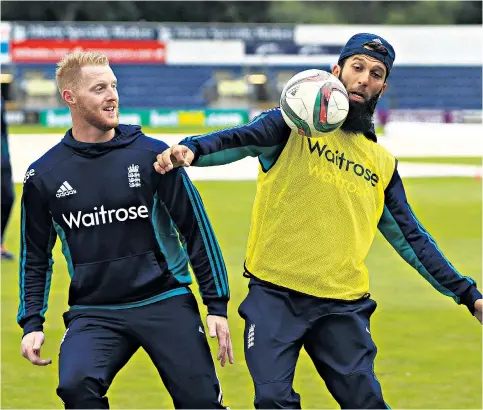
30	348
176	156
479	310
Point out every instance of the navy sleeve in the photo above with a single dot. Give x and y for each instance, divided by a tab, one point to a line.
417	247
187	211
37	238
265	136
5	155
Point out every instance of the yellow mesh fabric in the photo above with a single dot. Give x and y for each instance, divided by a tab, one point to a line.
315	215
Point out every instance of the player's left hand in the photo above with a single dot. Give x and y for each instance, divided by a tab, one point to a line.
479	309
218	327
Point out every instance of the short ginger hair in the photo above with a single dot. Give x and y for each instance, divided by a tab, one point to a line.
68	69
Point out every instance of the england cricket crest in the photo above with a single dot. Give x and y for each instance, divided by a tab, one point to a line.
133	176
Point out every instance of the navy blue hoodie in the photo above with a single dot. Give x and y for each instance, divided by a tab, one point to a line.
127	232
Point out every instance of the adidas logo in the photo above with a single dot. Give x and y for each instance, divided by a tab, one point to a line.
65	190
251	336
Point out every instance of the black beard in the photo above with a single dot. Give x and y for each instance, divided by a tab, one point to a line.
360	116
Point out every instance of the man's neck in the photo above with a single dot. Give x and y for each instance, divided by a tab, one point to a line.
90	134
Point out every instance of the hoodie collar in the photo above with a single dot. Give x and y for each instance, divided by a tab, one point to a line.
124	135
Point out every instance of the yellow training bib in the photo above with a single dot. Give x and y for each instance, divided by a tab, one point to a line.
316	212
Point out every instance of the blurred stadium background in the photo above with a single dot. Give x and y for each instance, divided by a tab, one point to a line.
187	68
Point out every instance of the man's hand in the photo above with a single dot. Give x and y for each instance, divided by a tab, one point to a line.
479	309
30	348
218	326
176	156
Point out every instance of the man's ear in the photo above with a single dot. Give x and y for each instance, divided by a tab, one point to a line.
383	89
69	97
336	70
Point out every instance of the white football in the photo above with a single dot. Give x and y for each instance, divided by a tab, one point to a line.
313	102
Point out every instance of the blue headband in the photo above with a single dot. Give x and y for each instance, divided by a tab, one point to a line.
356	44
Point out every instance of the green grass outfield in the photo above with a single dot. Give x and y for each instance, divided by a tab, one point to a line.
445	160
429	348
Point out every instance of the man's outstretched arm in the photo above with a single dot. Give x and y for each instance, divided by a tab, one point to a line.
417	247
263	137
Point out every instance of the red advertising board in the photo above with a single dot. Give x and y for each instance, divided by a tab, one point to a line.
118	51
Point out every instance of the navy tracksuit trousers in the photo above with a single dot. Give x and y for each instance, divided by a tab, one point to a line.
335	334
99	342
